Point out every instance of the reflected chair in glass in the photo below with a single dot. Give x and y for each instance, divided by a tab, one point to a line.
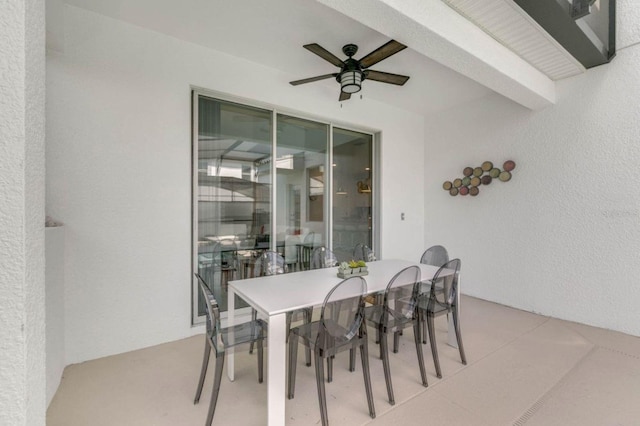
340	328
434	256
219	339
396	312
442	302
321	257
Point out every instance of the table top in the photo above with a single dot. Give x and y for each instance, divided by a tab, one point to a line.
276	294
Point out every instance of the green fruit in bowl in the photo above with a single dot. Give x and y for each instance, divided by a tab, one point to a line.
361	263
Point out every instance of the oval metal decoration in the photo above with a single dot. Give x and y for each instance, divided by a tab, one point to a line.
473	177
505	176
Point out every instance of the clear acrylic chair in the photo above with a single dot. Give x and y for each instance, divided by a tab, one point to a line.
442	302
217	338
268	263
398	311
434	256
340	328
323	258
363	252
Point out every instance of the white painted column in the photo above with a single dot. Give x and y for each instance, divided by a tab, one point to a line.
22	309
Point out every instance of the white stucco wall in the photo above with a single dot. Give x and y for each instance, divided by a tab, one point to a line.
22	334
563	236
119	173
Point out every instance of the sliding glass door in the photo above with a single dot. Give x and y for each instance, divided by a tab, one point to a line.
352	202
269	181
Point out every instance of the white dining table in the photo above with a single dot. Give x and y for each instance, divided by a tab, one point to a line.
275	295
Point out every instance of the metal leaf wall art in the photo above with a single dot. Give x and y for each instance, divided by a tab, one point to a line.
474	177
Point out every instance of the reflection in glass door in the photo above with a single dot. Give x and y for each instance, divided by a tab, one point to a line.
301	148
352	199
232	215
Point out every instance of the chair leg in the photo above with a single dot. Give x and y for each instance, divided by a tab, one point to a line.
364	354
293	358
216	388
254	317
352	359
308	314
434	345
384	348
456	323
396	341
416	338
322	398
330	369
260	359
423	319
203	371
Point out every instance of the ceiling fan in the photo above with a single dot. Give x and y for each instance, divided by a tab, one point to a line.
353	71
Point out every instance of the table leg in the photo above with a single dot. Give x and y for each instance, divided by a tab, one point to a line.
276	370
231	316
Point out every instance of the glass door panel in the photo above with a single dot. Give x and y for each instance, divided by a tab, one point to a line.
233	194
352	201
301	188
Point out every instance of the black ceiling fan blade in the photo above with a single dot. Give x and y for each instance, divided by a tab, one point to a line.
390	48
386	77
312	79
324	54
344	96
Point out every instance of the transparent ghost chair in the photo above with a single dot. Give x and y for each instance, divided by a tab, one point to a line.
217	339
434	256
321	257
442	302
340	328
398	311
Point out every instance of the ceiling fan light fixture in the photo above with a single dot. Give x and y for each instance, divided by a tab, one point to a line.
351	81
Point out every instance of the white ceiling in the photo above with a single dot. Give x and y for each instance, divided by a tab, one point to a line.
272	33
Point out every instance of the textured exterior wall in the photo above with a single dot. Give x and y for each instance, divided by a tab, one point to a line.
22	336
562	238
119	173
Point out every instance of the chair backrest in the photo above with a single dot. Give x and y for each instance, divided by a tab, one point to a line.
212	314
449	297
401	296
269	263
363	252
342	313
323	258
435	256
